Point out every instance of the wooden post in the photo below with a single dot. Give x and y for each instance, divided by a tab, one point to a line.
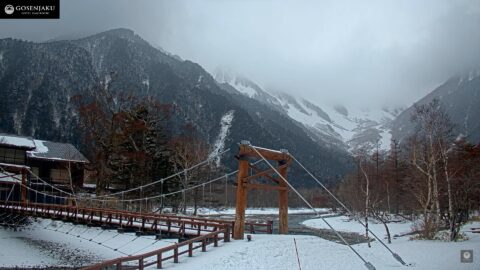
283	201
204	245
244	183
23	188
190	250
159	260
241	201
175	254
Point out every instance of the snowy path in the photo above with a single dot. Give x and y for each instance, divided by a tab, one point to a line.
278	252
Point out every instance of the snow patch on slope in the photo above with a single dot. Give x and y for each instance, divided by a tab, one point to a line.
355	127
219	146
146	82
328	124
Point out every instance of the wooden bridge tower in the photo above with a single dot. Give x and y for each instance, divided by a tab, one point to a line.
244	183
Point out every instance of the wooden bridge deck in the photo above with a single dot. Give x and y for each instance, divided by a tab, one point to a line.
201	231
131	221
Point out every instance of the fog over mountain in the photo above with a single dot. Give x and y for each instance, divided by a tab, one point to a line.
364	54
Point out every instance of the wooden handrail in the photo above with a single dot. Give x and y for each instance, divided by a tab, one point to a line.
158	254
106	214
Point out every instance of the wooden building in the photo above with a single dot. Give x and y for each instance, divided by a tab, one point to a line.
58	164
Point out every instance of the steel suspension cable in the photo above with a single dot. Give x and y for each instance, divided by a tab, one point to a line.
395	255
170	176
73	196
367	264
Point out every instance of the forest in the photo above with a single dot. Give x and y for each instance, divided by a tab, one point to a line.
431	178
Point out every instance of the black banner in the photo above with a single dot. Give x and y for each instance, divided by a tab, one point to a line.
29	9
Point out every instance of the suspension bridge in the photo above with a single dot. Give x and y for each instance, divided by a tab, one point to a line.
196	232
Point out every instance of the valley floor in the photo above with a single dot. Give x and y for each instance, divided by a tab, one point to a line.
44	243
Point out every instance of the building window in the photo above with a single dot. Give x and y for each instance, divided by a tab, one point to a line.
12	156
60	176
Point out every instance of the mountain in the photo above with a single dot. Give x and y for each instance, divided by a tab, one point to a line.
37	81
331	125
460	97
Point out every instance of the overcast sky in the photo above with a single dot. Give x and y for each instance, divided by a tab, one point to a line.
365	53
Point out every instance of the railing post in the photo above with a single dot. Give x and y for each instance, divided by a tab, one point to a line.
226	234
204	245
140	264
215	240
119	266
159	260
175	254
270	226
190	250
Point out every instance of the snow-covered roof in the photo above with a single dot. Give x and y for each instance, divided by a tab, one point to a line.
56	151
39	149
16	141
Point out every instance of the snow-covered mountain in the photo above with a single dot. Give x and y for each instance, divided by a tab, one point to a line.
39	81
460	97
349	128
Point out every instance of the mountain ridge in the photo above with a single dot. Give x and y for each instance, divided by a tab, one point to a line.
126	62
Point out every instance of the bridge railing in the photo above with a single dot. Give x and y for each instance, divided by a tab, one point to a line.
142	220
159	256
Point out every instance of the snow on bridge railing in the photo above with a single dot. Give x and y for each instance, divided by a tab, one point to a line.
141	220
141	261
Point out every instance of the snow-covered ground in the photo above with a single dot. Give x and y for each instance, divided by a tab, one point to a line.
37	246
278	252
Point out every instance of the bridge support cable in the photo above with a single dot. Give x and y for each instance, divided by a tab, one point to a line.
149	245
99	243
9	194
170	176
54	197
50	185
74	196
395	255
367	264
127	243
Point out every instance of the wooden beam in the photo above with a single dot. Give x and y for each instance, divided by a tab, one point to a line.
263	173
247	150
256	169
241	200
264	187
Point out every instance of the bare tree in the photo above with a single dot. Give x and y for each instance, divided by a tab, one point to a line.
188	150
435	128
